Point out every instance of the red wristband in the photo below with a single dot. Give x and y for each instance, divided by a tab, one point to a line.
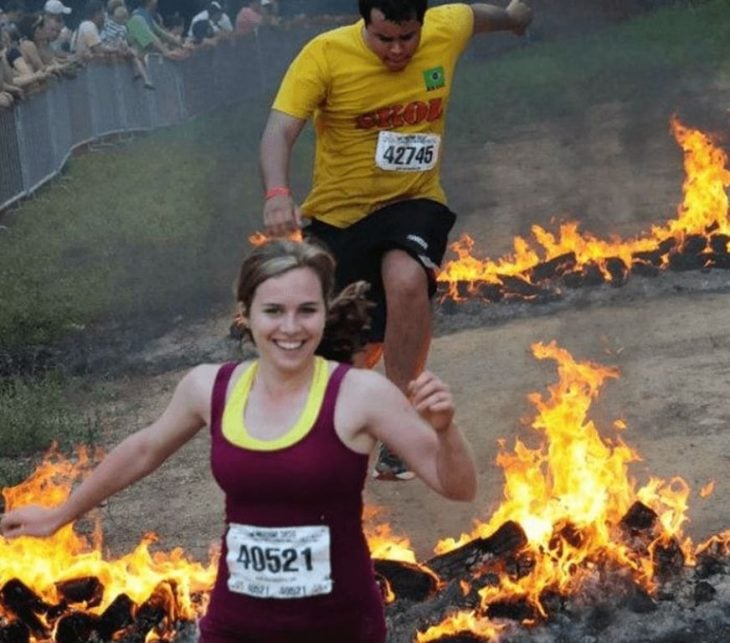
277	191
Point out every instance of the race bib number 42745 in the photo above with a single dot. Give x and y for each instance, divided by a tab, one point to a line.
279	562
407	152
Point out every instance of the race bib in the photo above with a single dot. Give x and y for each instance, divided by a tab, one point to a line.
407	152
279	562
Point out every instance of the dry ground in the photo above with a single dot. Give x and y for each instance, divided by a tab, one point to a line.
616	172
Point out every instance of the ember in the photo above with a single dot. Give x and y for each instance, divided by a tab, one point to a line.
573	529
61	588
696	239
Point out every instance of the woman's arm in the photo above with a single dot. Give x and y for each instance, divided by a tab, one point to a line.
421	430
135	457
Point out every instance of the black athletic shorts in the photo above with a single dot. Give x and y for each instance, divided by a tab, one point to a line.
420	227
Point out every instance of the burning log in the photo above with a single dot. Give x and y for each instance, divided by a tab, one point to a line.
508	539
651	257
555	267
644	269
521	287
516	610
26	605
618	271
16	632
77	627
590	275
408	581
118	616
639	518
86	590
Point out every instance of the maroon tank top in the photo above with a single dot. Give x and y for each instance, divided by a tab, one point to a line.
317	481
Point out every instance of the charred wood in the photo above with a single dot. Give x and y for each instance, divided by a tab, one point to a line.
668	558
517	610
618	271
25	604
653	257
16	632
405	617
507	539
555	267
518	286
643	269
407	580
82	590
667	245
719	243
77	627
589	275
694	244
639	518
117	616
490	292
682	261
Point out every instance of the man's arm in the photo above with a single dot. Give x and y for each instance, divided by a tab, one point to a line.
281	215
488	17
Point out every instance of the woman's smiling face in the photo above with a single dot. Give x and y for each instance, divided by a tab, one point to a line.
287	317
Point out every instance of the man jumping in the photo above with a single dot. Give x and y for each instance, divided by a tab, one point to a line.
377	92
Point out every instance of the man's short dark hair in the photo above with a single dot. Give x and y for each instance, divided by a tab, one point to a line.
394	10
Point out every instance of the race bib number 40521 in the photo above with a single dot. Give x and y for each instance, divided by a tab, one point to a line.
407	152
279	562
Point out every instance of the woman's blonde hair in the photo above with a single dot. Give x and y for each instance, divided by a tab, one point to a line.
348	320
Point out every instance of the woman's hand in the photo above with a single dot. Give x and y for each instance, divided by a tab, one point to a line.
432	398
31	520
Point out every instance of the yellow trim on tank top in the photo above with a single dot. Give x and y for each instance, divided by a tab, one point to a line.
234	427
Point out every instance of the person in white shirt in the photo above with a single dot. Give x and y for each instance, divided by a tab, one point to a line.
87	38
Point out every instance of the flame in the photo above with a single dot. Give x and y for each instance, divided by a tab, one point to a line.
461	622
570	493
382	542
260	238
41	563
708	489
704	209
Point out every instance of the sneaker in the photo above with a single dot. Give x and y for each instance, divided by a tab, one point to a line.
389	466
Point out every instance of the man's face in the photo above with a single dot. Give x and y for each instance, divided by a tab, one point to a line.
393	42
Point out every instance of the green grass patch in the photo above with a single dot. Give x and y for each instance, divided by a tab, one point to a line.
36	413
625	62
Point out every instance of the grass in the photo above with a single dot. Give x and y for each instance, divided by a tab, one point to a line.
36	413
156	228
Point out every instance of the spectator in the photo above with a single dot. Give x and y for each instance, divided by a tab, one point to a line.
34	34
252	15
147	36
14	9
55	12
224	22
87	38
175	24
114	38
15	67
9	92
199	24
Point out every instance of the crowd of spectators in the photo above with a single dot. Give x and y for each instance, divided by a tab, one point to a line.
36	47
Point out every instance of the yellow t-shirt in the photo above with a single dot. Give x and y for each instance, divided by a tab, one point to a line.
353	97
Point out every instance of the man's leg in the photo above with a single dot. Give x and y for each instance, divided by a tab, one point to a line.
407	337
408	325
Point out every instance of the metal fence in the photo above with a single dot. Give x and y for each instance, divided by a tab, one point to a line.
40	133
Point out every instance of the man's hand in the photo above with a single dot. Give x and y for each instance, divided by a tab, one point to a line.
520	14
282	216
433	400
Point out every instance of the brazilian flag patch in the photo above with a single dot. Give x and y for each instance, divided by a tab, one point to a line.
434	78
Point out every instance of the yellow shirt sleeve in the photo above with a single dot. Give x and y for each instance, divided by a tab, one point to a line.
305	83
457	19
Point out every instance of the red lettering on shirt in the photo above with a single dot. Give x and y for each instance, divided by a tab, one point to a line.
413	113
